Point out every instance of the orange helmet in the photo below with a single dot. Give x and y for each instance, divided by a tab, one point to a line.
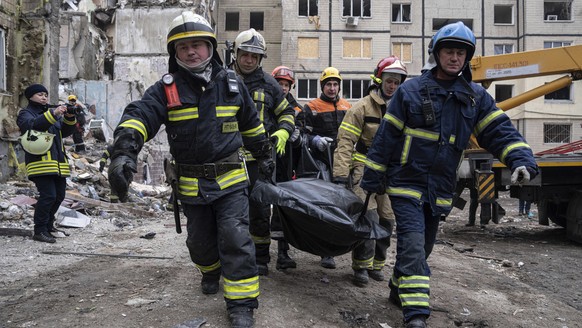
284	73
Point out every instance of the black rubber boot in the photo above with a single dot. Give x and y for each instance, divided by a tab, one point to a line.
360	277
418	321
283	259
377	275
210	282
241	317
263	269
327	262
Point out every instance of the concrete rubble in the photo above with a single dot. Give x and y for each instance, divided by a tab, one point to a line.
87	195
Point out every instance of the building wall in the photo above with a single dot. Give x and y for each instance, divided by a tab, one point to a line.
272	26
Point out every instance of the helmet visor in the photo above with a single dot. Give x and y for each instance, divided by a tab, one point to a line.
284	72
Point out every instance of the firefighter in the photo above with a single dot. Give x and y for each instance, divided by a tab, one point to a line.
209	115
79	110
279	121
47	164
322	117
286	165
417	149
354	137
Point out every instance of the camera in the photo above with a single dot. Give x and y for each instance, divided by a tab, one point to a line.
71	109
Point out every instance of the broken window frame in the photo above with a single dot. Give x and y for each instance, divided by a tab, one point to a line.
357	8
560	133
307	8
401	13
557	10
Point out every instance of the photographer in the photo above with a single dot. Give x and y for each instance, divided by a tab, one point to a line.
79	110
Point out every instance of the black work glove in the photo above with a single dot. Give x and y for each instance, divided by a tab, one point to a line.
342	181
101	166
120	173
266	167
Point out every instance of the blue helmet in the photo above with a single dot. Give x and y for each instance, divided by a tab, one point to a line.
455	34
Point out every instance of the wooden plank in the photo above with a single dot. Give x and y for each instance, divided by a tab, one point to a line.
122	207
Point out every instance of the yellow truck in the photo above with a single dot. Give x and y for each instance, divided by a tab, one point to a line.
557	191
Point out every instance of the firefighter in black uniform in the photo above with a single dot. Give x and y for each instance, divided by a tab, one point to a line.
209	115
278	118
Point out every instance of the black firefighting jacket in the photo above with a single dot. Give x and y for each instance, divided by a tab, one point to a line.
212	124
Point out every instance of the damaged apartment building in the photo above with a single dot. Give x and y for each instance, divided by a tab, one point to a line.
106	52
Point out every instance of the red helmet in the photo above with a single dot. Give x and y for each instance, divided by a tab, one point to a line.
284	73
391	64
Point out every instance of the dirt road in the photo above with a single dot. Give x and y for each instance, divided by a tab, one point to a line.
514	274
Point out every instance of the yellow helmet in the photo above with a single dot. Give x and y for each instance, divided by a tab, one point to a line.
329	73
72	97
36	142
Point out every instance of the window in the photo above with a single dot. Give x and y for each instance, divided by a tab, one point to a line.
400	13
357	8
500	49
308	8
357	48
557	133
231	21
307	88
437	23
308	48
503	14
557	10
2	59
503	92
562	94
556	44
354	89
403	51
257	20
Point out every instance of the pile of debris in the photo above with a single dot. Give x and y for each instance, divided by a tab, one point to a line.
87	196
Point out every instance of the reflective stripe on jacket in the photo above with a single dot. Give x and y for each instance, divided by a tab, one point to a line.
40	118
358	127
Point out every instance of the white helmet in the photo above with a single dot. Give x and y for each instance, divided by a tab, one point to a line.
36	142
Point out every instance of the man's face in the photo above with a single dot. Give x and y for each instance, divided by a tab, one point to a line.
72	101
331	88
389	85
451	61
285	86
192	51
246	61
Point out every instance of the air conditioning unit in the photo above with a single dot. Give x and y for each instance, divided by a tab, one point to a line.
352	21
552	17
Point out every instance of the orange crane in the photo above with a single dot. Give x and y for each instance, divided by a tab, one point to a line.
557	191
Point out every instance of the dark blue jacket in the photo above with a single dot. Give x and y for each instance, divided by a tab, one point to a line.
55	162
420	161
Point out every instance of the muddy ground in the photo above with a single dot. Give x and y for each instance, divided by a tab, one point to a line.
512	274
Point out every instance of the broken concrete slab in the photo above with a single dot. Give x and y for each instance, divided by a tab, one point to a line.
66	217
